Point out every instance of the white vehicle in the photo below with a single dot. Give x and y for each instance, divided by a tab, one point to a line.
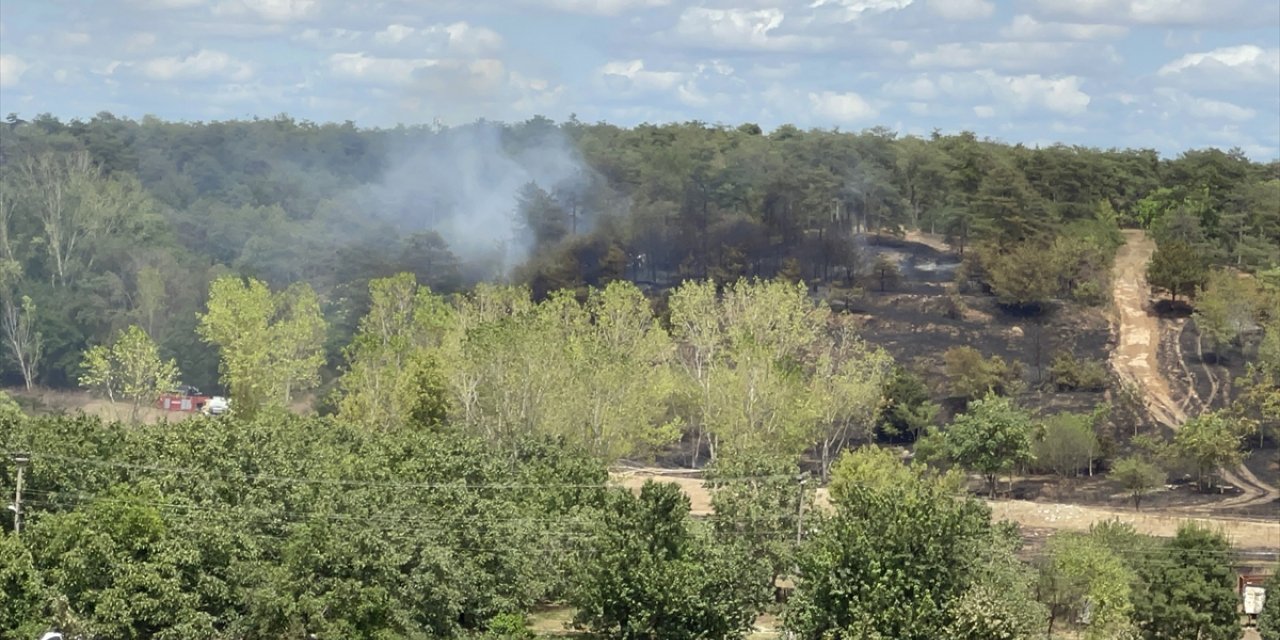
217	405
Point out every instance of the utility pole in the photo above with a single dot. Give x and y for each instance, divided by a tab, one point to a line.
20	459
800	508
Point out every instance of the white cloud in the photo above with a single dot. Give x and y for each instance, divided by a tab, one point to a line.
1041	57
841	107
635	76
1179	102
169	4
202	65
139	42
393	34
362	67
1231	65
962	9
74	38
695	86
1187	13
1025	27
918	88
468	40
600	7
855	9
11	69
456	39
1219	110
984	111
1060	95
742	29
269	10
439	76
1020	93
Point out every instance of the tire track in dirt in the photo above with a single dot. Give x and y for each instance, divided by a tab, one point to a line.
1136	361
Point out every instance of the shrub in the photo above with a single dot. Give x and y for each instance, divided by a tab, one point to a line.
1066	445
1021	279
1089	293
509	626
1069	373
970	376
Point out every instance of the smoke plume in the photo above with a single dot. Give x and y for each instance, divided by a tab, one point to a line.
463	183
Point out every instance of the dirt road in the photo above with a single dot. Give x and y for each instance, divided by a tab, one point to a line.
1139	332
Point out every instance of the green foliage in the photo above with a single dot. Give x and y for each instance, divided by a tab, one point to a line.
1137	476
757	502
1176	268
285	526
1210	441
23	603
1227	308
509	626
906	411
882	470
1083	578
990	437
130	368
1069	373
885	272
390	369
270	343
650	574
1066	444
596	373
1189	588
908	560
1269	620
971	376
152	211
765	369
10	411
1019	278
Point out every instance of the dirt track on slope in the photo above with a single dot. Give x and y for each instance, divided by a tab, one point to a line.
1136	360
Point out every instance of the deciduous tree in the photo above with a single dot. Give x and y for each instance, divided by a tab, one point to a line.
131	367
650	575
1082	577
271	344
1210	441
906	560
990	437
1137	476
1188	588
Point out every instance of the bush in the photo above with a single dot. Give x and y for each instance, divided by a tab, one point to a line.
1071	374
905	411
1269	621
970	376
1089	293
1067	445
1021	279
509	626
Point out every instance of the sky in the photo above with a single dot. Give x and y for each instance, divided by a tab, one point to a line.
1163	74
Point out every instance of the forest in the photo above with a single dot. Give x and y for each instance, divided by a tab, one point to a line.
441	345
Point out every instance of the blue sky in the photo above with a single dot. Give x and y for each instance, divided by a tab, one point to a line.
1163	74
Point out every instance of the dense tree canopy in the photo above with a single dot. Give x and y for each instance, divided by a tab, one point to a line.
109	221
491	315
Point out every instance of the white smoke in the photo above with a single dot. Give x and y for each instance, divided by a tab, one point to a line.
463	183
